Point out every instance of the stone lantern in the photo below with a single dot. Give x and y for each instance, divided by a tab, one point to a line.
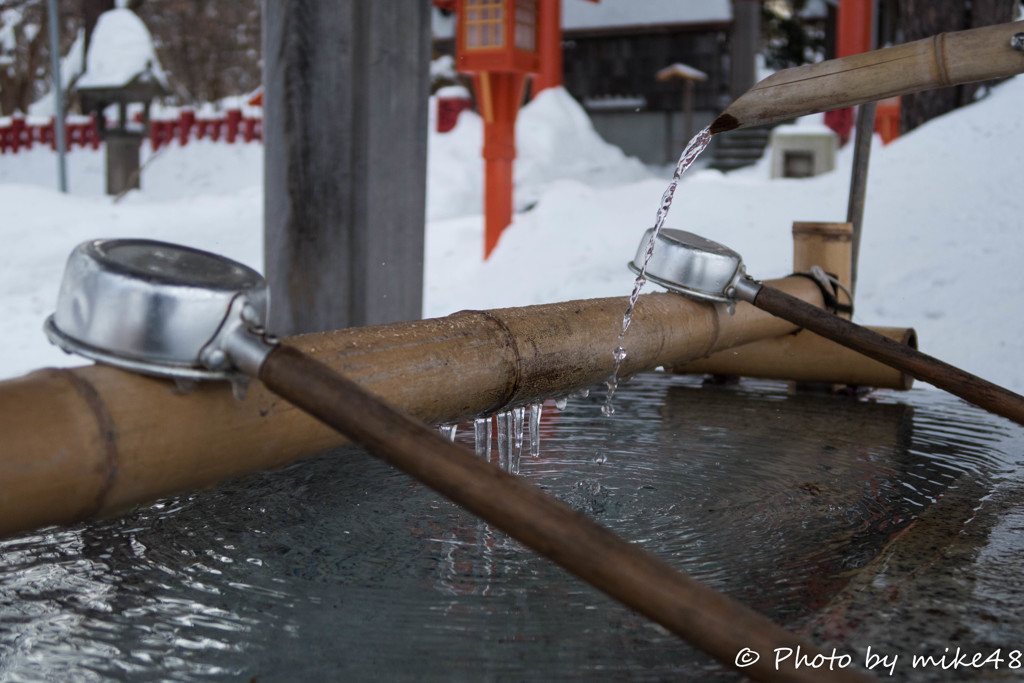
121	70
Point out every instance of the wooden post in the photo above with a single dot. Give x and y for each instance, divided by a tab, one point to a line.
745	40
345	107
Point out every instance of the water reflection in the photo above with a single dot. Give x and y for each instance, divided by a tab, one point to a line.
340	568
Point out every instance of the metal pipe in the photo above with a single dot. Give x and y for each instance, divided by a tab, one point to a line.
943	60
859	181
58	96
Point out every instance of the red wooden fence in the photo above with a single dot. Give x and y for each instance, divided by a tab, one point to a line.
16	133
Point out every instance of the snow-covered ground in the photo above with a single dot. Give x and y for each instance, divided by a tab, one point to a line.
941	246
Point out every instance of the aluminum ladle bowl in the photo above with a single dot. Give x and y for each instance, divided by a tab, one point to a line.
153	307
691	265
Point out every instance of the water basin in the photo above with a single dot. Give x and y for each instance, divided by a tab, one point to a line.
891	522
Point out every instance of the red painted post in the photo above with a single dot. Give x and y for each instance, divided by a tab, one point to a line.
449	108
234	117
504	93
48	133
854	33
215	125
93	133
154	135
16	130
249	129
186	120
549	35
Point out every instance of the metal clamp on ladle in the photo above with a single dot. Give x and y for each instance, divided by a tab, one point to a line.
165	309
701	269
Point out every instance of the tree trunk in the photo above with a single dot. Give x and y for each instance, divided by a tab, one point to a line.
924	18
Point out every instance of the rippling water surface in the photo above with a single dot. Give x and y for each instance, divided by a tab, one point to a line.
341	569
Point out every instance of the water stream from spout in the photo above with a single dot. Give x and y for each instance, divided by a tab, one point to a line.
692	150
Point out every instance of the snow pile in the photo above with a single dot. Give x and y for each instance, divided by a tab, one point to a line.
120	50
555	140
618	13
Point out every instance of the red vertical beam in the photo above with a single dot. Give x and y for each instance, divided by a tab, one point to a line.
856	27
854	31
550	45
499	95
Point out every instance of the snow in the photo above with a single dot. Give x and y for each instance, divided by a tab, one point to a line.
942	237
680	70
578	15
121	49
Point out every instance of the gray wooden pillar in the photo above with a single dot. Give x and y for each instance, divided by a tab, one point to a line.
346	85
746	39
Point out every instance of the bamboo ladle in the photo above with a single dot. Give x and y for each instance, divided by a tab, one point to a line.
699	268
171	310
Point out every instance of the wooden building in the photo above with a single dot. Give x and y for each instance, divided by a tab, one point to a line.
613	50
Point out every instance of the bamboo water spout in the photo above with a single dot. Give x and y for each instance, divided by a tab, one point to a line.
943	60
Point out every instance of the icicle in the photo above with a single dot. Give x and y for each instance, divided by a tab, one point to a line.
730	308
582	393
561	402
448	431
240	388
518	418
535	410
482	436
503	420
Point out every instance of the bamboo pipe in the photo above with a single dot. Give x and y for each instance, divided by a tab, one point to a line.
699	615
96	440
943	60
971	388
824	244
807	357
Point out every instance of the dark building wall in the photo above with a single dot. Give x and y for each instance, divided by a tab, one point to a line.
598	66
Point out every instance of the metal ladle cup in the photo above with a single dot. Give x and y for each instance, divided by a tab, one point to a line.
170	310
704	270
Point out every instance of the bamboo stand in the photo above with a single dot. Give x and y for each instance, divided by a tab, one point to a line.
97	440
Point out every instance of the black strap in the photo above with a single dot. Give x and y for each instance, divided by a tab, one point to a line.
828	293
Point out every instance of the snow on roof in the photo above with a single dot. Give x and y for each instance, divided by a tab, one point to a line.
121	49
680	70
610	14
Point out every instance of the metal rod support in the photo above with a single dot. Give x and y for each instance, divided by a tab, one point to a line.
859	181
58	96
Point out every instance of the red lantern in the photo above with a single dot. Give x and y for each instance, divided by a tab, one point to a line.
497	35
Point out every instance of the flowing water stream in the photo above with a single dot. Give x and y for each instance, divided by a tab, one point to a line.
690	153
